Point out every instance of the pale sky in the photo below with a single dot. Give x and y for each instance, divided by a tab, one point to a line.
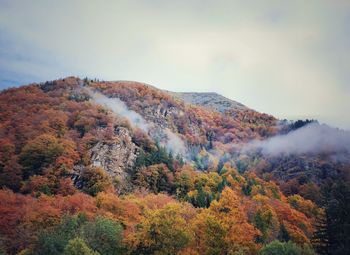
290	59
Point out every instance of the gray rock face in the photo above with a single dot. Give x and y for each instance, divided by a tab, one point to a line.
209	100
116	156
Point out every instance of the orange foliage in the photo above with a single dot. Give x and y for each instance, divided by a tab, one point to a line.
48	129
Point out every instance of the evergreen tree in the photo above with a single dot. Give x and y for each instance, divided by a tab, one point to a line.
180	160
334	230
170	161
283	234
320	239
141	159
198	162
222	185
210	137
262	225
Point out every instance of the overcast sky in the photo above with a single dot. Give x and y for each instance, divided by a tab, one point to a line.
287	58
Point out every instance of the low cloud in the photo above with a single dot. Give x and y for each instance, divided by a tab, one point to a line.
120	108
310	139
172	142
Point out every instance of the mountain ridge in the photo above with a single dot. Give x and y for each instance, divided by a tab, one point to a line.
211	100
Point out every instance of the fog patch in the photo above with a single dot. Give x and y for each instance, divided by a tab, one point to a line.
120	108
174	143
171	141
310	139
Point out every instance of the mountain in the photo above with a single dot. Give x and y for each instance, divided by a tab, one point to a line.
124	167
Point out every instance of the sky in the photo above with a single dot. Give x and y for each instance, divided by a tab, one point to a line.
290	59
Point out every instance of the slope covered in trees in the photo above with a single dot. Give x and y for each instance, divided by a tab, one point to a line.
80	178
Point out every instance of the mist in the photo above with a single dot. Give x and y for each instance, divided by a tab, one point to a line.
120	108
312	138
173	143
309	139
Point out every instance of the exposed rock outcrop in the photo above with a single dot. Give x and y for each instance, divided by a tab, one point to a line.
116	156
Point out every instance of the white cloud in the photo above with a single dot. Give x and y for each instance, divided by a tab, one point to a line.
312	138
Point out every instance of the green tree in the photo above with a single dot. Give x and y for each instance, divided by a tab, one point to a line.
198	161
140	160
261	224
180	160
53	242
210	137
160	155
77	246
320	239
335	228
170	161
104	236
282	248
283	234
201	198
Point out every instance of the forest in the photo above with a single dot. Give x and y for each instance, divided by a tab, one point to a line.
59	197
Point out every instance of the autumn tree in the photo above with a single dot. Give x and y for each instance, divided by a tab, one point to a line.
240	234
40	152
94	180
36	185
210	235
10	170
141	139
155	178
162	231
184	181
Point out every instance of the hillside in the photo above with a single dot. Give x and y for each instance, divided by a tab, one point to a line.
126	168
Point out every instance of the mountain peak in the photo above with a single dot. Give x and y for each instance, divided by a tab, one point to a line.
211	100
